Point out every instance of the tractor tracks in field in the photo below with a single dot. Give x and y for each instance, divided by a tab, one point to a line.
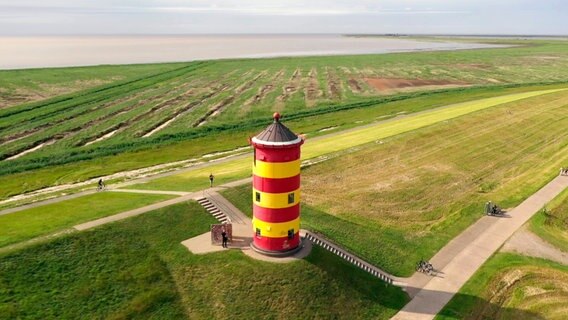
181	112
264	90
38	144
312	90
334	84
292	86
219	107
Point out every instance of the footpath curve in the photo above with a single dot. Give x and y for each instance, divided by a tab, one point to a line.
438	291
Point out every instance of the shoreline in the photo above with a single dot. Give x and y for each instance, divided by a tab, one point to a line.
38	52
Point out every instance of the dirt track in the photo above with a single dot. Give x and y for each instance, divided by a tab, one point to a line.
385	84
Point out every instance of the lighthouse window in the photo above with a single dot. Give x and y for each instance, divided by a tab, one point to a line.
258	232
257	196
290	198
291	234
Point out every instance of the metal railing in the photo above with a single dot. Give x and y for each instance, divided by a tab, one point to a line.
358	262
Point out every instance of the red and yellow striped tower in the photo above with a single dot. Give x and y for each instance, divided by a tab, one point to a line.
276	190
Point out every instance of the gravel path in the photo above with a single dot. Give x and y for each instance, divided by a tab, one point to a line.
138	211
529	244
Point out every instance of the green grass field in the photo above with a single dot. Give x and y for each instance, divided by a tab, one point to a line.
96	129
509	286
29	85
75	172
310	125
38	221
552	224
392	193
197	179
401	200
137	269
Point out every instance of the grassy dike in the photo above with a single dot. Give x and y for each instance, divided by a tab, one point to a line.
137	269
26	224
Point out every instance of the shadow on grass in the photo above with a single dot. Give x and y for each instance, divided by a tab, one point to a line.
464	306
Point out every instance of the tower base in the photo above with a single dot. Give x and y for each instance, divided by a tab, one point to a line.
277	253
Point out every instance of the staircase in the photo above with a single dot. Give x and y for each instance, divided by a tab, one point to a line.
213	210
359	263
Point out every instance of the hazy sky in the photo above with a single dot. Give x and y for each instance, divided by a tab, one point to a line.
18	17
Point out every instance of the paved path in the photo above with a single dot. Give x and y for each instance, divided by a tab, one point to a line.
529	244
443	257
242	235
242	228
439	290
138	211
115	187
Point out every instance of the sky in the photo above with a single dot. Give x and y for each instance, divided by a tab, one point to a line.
52	17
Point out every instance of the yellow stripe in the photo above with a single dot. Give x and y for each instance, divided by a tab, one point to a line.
276	170
275	230
275	200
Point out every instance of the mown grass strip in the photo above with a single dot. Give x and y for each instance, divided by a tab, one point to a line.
34	222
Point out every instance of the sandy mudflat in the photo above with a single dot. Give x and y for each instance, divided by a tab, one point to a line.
59	51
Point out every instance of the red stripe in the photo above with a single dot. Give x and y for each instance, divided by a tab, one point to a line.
276	185
277	244
276	215
278	155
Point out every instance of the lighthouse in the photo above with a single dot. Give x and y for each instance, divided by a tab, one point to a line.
276	190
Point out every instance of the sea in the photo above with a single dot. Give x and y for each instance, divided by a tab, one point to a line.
24	52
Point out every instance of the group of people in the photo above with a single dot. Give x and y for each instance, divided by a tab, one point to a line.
424	267
101	185
492	209
564	171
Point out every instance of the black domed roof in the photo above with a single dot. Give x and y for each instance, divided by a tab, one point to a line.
276	134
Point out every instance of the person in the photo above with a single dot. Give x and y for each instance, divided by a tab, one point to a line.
211	177
101	184
225	238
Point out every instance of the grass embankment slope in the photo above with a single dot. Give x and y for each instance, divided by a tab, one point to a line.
138	269
214	99
403	198
512	287
551	224
34	222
